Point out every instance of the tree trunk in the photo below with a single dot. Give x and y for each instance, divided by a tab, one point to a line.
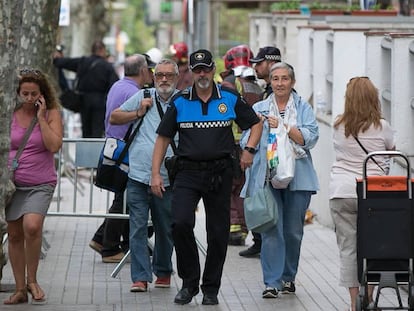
28	31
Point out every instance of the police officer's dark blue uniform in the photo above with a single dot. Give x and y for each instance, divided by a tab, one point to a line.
204	123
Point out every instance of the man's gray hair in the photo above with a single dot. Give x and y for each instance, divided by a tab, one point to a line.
166	61
134	64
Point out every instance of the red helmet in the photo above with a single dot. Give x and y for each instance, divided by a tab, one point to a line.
238	56
180	51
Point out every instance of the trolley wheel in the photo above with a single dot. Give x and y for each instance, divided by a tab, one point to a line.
358	303
411	298
363	296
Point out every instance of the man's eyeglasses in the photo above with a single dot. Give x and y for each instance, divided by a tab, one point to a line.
202	68
168	75
26	71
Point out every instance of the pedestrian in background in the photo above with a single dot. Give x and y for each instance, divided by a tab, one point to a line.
38	117
202	115
239	75
361	120
94	77
179	54
140	200
107	239
281	243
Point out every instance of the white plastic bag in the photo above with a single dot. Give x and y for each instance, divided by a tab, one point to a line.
285	169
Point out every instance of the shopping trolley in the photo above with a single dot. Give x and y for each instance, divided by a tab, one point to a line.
385	235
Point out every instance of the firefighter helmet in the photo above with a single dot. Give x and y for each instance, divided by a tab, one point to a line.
238	56
179	50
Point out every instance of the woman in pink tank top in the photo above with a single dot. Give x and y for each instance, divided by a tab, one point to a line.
34	177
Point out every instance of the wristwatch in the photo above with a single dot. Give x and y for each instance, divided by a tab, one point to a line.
250	149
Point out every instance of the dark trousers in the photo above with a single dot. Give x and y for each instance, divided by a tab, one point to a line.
236	207
189	187
111	230
93	115
257	240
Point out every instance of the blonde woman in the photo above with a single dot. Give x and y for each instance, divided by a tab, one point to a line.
362	120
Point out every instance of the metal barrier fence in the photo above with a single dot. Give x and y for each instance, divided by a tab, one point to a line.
76	195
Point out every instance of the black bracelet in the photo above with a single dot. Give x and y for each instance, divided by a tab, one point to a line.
250	149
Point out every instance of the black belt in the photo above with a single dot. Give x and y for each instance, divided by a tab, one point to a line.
185	164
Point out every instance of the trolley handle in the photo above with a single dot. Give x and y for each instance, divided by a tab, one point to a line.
371	155
390	153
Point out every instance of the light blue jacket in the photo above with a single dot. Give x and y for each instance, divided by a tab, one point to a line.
305	176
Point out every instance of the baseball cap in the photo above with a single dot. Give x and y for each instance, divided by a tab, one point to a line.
201	58
267	53
150	63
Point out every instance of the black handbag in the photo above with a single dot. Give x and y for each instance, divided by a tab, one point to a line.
71	100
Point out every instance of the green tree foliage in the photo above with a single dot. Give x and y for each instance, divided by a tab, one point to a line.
141	35
234	28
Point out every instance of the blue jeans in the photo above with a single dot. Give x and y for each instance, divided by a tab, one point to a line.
140	200
281	244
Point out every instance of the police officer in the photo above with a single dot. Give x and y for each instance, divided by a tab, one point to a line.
203	117
262	63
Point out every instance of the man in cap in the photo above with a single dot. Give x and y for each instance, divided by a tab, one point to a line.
266	57
262	63
202	115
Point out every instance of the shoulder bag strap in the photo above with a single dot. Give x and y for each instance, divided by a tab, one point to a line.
366	151
161	113
24	142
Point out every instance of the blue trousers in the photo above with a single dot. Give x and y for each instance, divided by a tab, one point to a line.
140	201
281	244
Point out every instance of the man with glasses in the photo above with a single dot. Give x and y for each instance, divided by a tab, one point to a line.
203	116
148	105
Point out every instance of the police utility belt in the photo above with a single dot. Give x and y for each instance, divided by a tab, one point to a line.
185	164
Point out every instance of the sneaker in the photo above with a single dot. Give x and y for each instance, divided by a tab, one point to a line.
252	251
114	258
139	286
288	288
96	246
163	282
270	292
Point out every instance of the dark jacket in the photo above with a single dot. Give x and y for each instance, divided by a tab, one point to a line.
94	73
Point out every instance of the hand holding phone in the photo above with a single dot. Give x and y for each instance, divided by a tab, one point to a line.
38	102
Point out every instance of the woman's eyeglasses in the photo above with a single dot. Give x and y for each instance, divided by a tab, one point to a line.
26	71
358	78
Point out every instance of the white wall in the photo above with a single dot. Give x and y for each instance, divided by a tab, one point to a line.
331	51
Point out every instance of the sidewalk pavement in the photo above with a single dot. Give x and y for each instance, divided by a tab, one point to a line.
74	277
